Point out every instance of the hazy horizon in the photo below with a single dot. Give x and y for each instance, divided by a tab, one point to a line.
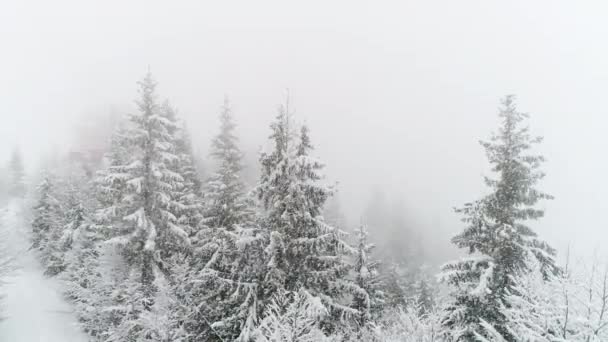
397	94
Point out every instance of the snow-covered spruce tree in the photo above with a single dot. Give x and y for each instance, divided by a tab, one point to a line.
71	217
220	287
143	213
74	197
85	286
80	243
88	284
17	175
369	302
45	213
103	299
303	252
92	280
496	234
226	203
81	201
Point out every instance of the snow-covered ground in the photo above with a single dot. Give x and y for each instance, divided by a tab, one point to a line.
33	307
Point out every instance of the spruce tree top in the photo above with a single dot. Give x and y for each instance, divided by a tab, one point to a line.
496	222
226	202
496	231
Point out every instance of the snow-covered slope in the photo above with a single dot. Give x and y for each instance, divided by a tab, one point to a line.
33	306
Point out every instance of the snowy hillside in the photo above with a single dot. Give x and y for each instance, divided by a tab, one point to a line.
33	307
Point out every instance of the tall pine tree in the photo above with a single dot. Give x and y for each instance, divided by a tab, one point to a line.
496	234
220	284
304	252
46	213
226	203
144	208
368	302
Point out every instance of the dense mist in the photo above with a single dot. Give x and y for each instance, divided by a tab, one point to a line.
321	171
396	94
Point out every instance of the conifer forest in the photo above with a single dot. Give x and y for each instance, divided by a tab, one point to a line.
154	221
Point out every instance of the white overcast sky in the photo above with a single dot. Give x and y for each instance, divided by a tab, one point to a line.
397	94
